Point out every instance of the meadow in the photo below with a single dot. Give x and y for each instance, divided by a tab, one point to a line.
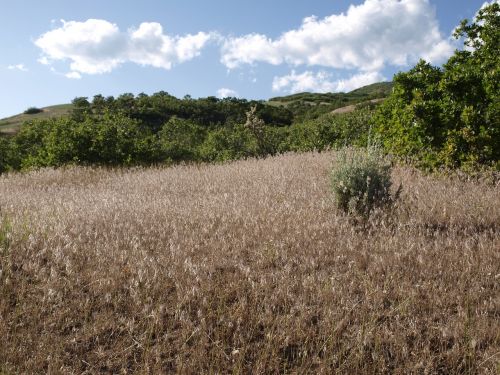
246	267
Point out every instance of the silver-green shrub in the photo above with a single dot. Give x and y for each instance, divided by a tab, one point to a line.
361	180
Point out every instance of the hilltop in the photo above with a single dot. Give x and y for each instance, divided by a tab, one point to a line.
373	91
12	124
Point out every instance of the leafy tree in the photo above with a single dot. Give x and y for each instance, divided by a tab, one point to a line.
180	139
81	108
449	116
229	143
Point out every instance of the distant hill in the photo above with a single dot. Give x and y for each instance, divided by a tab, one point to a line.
306	106
373	91
303	106
12	124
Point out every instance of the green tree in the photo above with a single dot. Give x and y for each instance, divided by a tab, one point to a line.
449	116
6	155
180	139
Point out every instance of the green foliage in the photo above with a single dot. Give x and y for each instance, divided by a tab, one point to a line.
33	111
229	143
361	180
113	139
157	128
6	155
451	116
181	139
310	106
331	131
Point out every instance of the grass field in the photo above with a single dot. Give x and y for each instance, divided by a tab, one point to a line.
11	125
246	267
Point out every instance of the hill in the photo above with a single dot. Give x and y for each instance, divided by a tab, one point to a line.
373	91
303	105
306	106
12	124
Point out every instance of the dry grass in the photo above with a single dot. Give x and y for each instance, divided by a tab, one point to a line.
245	268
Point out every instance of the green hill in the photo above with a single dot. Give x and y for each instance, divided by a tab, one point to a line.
12	124
373	91
305	106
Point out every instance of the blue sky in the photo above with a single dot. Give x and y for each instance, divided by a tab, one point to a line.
54	50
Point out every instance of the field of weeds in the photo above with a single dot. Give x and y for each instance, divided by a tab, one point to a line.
245	268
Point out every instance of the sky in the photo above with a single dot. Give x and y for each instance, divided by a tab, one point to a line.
52	51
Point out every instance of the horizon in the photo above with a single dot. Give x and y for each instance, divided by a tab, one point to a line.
253	51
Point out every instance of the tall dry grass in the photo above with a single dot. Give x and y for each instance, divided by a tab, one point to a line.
245	268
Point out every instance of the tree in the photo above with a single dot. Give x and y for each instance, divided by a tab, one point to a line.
449	116
81	107
180	139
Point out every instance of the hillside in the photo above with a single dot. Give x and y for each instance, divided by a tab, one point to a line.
301	105
246	267
307	106
373	91
12	124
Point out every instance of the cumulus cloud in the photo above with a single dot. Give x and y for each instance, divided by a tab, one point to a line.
322	82
368	37
226	93
19	67
98	46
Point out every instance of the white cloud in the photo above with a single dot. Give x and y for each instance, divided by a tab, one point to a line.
368	37
98	46
226	93
73	75
19	67
322	82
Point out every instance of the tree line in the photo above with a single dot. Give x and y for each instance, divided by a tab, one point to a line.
435	117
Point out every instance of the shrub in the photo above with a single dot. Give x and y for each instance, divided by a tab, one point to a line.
361	180
33	111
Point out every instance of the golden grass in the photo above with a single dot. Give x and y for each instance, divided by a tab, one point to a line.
245	268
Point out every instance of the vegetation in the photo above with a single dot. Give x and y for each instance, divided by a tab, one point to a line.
450	116
33	111
162	129
361	180
11	125
434	117
307	106
246	267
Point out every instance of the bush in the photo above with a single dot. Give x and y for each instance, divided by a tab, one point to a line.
33	111
361	180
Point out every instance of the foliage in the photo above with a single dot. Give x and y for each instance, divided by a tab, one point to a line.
33	111
229	143
361	180
113	139
6	154
181	139
310	106
449	116
145	129
331	131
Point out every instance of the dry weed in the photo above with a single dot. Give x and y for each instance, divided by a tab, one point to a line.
245	268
